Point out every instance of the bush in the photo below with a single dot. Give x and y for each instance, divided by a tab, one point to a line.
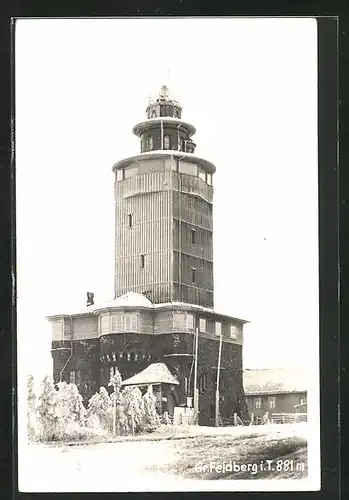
47	418
151	417
133	405
97	410
31	409
60	415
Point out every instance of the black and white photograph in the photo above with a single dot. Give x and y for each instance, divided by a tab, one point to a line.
167	254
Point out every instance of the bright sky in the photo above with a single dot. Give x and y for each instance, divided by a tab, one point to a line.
249	86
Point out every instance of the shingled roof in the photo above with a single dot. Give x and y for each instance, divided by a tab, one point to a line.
156	373
275	380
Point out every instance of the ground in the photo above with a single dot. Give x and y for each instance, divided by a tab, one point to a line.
172	456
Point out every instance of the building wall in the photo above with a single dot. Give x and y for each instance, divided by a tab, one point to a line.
79	356
173	343
284	403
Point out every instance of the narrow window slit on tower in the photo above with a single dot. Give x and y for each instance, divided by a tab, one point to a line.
142	261
193	236
129	220
193	274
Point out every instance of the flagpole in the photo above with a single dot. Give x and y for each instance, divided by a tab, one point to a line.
218	373
196	392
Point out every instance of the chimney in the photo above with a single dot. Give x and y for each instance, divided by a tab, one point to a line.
90	299
147	295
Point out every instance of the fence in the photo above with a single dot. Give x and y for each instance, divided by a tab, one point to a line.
288	418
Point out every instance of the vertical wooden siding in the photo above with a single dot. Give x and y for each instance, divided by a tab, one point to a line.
165	206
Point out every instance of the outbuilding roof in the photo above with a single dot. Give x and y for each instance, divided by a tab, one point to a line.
274	380
156	373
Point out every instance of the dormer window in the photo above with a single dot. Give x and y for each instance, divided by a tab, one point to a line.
166	141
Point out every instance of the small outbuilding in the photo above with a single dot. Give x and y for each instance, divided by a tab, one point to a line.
163	383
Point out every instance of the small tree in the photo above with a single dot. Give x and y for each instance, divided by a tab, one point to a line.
69	407
115	382
133	404
47	400
151	417
31	408
97	410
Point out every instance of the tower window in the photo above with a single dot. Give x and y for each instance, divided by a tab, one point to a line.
233	332
193	275
129	220
203	325
128	356
130	322
190	321
218	328
142	261
202	175
150	143
209	179
120	174
193	236
166	141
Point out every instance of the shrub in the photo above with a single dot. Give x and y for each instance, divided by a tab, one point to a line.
47	418
97	410
31	409
151	417
133	405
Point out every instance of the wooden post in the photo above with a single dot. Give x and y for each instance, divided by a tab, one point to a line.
218	374
133	423
114	412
